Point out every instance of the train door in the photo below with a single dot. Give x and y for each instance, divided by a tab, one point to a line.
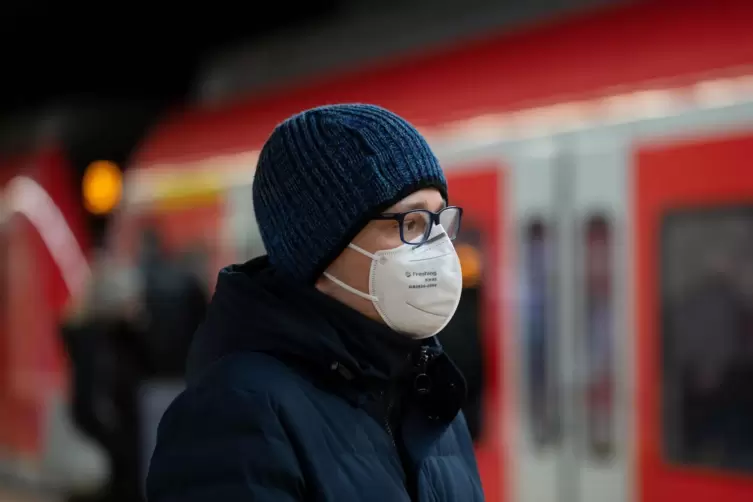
598	354
535	401
693	210
567	438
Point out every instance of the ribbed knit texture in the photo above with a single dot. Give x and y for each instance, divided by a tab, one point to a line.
325	172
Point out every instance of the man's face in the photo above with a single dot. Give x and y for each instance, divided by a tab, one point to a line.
353	268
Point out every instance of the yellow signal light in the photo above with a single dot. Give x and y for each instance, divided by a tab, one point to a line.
102	187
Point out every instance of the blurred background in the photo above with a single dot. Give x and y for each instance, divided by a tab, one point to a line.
601	150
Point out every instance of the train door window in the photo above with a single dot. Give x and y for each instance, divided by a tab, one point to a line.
538	334
707	337
598	342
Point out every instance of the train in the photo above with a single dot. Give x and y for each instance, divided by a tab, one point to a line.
603	166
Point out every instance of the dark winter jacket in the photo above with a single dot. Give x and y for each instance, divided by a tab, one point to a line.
292	396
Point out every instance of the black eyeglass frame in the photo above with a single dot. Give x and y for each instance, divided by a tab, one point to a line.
433	220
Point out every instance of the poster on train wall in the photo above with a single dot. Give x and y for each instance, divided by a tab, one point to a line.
474	336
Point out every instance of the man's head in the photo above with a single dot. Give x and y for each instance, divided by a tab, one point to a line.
325	178
352	267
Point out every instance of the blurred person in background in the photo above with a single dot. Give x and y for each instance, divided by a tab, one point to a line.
175	301
101	333
317	374
134	324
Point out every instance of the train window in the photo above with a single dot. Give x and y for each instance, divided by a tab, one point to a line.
539	340
707	337
598	341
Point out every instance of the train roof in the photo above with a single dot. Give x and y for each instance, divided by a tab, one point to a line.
593	54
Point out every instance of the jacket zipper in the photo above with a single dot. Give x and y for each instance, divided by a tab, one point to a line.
423	360
420	380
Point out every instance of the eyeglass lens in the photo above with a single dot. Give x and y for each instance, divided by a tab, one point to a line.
416	225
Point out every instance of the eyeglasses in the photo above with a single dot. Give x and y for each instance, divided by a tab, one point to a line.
416	225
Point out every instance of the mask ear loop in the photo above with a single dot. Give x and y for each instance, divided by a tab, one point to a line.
349	288
363	252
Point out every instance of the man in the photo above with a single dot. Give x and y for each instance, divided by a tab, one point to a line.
316	375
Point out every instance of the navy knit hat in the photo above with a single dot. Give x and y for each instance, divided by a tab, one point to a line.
325	172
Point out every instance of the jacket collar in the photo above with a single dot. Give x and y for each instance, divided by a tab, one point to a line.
255	309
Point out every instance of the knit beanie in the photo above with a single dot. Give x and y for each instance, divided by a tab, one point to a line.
324	173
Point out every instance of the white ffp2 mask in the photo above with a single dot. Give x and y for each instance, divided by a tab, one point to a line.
415	289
